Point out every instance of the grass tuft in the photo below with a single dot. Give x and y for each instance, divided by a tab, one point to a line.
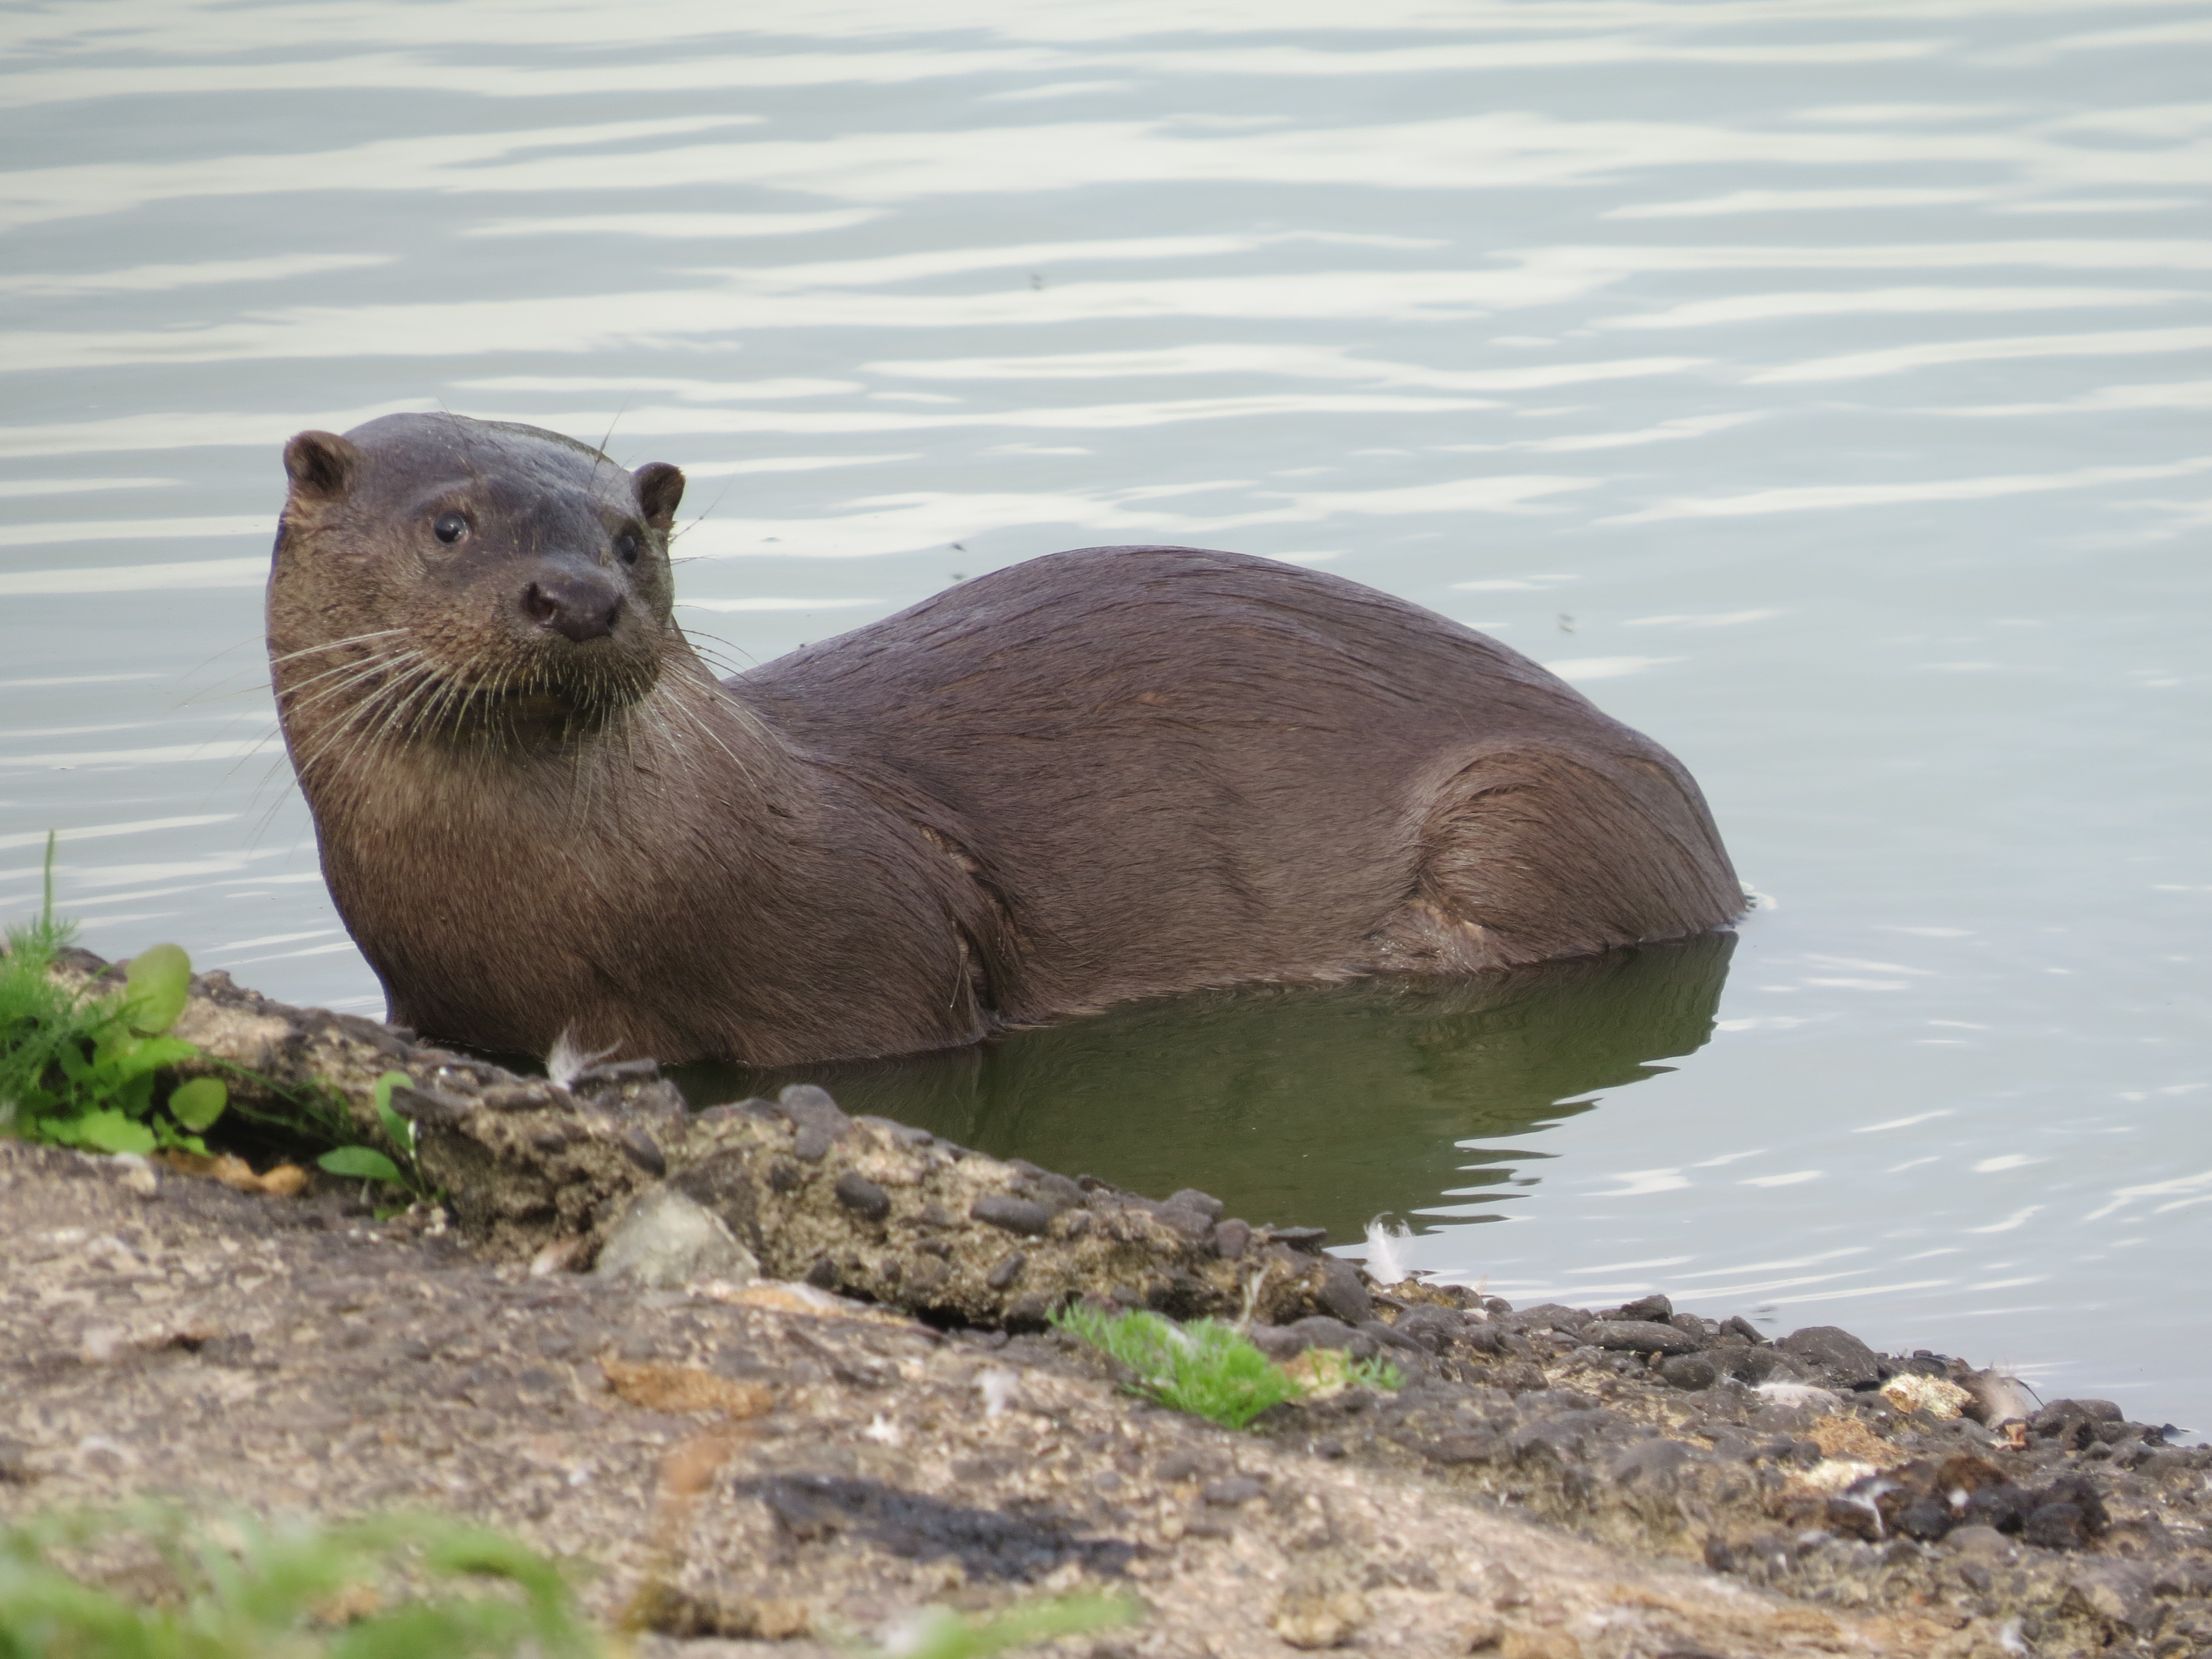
243	1591
1207	1368
403	1586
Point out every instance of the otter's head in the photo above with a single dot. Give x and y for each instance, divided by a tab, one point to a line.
437	576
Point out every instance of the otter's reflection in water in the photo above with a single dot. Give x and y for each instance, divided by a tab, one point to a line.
1304	1105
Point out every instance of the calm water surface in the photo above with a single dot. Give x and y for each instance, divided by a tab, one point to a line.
1821	387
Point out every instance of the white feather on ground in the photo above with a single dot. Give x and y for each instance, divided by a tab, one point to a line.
567	1058
1385	1264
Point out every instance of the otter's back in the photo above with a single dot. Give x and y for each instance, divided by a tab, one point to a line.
1174	767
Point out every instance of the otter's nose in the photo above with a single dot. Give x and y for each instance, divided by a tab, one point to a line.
580	607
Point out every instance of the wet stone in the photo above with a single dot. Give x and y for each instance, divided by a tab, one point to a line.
862	1196
1926	1518
1014	1215
1230	1239
1490	1339
1429	1328
1548	1317
1342	1294
2056	1526
1637	1336
1704	1331
1690	1371
810	1103
1055	1193
1385	1336
2078	1490
2075	1423
1838	1358
1755	1366
1191	1223
1190	1198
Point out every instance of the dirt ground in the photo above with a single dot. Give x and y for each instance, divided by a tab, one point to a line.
767	1463
750	1439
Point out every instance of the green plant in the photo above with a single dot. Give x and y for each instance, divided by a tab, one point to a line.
238	1589
1333	1368
78	1070
242	1590
369	1164
941	1633
1378	1374
1207	1368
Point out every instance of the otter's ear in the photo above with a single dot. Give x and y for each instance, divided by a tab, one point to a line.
659	488
321	464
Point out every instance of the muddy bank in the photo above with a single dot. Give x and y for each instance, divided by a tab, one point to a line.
809	1395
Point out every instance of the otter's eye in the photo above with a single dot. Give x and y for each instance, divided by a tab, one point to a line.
626	547
450	527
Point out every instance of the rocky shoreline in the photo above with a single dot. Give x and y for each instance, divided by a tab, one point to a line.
779	1373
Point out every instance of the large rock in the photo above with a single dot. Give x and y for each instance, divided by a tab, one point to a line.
664	1241
1834	1356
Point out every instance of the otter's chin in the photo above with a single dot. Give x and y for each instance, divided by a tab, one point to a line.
536	706
524	705
572	699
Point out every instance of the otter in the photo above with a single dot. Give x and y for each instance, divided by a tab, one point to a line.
1102	774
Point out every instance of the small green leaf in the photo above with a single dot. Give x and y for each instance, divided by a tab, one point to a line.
159	980
399	1129
197	1102
363	1162
111	1132
137	1057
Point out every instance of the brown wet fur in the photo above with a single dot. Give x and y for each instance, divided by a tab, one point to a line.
1105	773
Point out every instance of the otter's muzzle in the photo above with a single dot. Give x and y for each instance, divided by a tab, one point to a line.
578	604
